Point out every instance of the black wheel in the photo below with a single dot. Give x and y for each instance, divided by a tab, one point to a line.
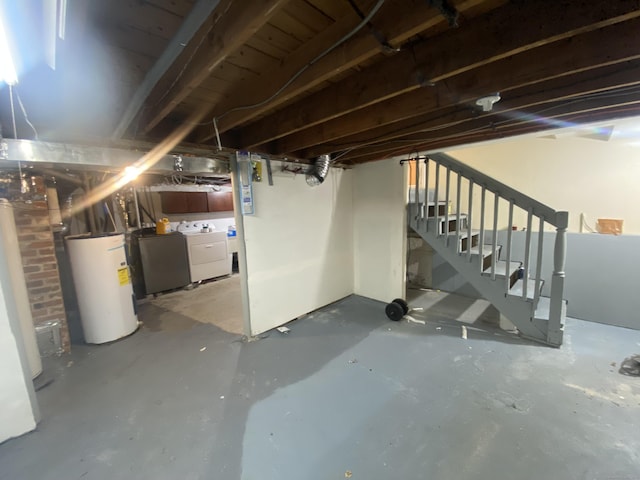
394	311
403	304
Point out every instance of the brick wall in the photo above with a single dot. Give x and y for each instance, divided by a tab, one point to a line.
40	265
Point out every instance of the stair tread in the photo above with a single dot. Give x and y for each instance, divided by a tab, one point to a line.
501	267
544	307
452	216
486	250
463	233
516	290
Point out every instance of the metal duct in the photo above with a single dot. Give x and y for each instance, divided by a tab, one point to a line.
54	155
319	170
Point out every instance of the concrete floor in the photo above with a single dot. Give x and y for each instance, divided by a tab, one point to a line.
346	394
218	302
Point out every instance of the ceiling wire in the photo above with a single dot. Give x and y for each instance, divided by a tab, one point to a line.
377	34
26	117
15	135
358	27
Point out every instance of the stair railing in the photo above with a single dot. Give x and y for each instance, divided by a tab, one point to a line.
534	209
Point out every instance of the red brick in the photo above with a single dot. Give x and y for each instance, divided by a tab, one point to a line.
41	244
53	302
34	283
34	229
43	275
52	280
32	269
46	251
39	260
46	318
44	290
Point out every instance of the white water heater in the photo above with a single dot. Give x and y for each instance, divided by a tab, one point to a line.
103	286
11	250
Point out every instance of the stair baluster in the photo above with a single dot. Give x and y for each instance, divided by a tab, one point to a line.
446	206
469	212
417	187
458	209
509	244
494	242
482	214
436	197
425	199
527	255
536	297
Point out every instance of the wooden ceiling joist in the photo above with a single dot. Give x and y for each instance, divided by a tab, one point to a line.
438	58
580	53
392	21
565	117
416	129
230	29
183	36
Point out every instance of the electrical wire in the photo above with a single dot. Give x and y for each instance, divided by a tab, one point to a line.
23	190
380	38
113	222
26	117
358	27
13	113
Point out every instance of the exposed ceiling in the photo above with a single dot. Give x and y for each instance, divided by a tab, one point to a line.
300	78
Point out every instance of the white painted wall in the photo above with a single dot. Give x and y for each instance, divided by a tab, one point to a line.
299	247
579	175
379	230
18	407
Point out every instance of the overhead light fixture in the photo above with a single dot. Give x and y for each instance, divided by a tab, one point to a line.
487	102
130	173
7	67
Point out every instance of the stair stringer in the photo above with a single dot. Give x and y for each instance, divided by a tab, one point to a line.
519	311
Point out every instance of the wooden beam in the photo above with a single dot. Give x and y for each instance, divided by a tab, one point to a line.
496	35
583	52
192	23
393	21
418	128
592	111
229	30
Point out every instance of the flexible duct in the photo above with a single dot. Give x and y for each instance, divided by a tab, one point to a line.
319	170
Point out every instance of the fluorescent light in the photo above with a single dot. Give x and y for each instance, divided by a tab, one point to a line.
62	20
7	69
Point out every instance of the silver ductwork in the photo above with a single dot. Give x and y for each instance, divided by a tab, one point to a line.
319	170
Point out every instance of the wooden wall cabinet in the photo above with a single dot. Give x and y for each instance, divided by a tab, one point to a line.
220	201
196	202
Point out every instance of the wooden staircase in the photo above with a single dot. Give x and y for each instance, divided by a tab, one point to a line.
476	253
